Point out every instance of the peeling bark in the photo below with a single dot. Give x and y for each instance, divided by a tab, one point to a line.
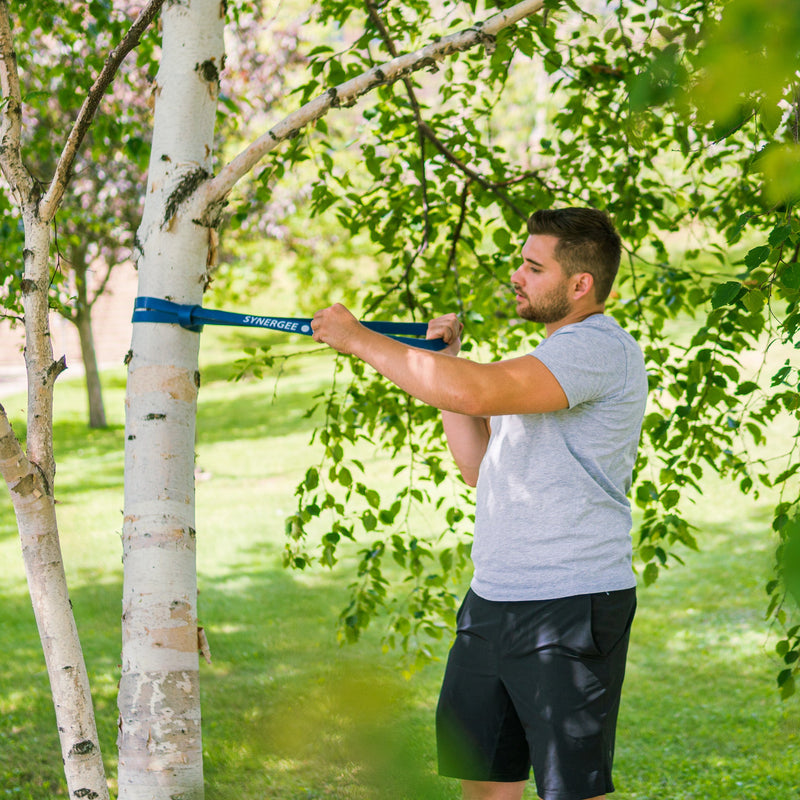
160	742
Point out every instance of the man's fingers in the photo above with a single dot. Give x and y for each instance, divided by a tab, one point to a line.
448	328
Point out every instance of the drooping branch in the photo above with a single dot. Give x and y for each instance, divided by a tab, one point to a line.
452	261
212	193
372	10
375	17
18	178
52	198
470	173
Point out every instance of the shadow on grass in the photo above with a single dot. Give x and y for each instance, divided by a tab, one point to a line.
291	714
700	715
74	437
30	755
98	453
287	712
248	417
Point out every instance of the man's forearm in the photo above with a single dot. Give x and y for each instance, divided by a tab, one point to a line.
436	379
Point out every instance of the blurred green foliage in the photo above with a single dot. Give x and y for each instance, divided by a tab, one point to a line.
635	109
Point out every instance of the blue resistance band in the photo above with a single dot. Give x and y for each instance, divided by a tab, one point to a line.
193	318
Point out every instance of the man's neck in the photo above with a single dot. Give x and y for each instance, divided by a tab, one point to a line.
576	315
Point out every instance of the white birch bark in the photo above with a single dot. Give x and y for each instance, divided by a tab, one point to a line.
30	478
160	745
36	519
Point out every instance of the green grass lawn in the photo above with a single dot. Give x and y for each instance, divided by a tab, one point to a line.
290	714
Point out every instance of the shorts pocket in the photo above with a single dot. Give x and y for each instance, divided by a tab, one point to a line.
612	615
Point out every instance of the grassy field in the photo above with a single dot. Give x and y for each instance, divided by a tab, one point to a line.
288	713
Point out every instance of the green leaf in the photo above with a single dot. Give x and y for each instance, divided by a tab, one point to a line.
502	238
650	573
756	257
735	232
746	387
312	478
726	293
369	521
647	552
779	235
786	683
790	276
344	476
670	498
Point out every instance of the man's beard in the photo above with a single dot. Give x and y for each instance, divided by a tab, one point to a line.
550	308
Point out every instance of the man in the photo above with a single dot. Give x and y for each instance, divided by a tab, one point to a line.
535	674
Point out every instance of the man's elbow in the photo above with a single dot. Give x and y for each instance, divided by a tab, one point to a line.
469	404
470	476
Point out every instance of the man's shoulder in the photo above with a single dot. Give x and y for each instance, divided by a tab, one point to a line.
597	328
594	358
594	325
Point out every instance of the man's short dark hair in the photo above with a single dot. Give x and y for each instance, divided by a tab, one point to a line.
587	242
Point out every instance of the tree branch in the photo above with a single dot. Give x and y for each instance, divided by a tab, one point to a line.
470	173
52	198
452	261
213	192
372	10
13	463
18	178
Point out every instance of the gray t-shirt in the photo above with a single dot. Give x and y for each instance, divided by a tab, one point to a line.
552	515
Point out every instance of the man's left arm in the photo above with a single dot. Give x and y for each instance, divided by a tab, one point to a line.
515	386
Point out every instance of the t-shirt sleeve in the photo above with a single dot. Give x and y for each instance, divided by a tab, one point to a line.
587	364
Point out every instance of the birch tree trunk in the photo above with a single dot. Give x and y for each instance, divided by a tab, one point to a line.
30	478
160	746
30	481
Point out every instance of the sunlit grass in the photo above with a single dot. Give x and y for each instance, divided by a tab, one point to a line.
288	713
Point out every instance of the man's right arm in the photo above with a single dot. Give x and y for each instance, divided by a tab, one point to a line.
467	438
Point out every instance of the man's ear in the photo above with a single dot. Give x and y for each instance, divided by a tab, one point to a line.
582	284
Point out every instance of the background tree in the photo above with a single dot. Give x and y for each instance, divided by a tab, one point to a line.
93	230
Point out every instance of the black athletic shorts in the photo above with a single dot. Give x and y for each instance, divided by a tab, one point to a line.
536	683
